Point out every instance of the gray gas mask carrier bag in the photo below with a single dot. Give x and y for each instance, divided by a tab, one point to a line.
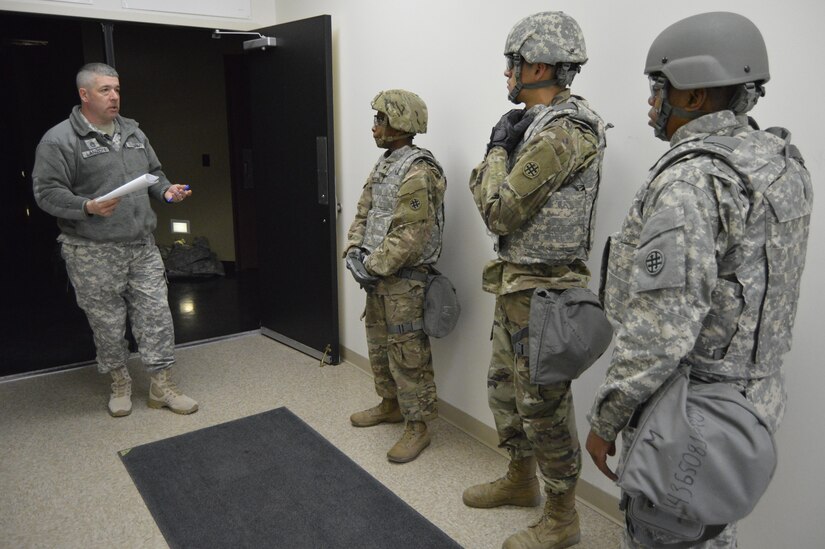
441	306
568	332
701	458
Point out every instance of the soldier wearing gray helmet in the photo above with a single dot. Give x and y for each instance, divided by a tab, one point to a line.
705	271
536	192
391	247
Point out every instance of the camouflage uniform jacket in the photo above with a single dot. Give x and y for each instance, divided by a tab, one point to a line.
677	287
415	215
561	150
75	163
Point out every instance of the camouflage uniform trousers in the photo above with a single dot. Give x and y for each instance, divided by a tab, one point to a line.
530	419
401	363
116	280
725	540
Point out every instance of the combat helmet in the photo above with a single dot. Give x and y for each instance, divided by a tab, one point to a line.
405	110
550	37
709	50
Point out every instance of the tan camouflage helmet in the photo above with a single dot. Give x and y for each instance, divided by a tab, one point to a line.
548	37
405	110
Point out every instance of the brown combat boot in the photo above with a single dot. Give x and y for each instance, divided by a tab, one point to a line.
386	412
557	528
412	442
518	487
120	401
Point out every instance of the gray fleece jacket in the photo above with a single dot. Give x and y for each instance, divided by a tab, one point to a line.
74	163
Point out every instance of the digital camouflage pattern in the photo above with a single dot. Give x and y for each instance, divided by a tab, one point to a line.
113	280
112	262
508	196
405	110
401	199
402	362
562	230
549	37
663	279
414	218
690	256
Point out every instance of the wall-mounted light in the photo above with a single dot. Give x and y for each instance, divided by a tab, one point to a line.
180	226
187	306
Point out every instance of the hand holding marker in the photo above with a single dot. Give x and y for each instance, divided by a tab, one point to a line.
185	188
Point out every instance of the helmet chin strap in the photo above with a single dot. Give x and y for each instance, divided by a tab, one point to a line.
383	141
667	110
564	76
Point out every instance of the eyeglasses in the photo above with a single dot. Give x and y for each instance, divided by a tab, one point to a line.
513	60
379	120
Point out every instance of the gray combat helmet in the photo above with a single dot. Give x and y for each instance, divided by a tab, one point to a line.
550	37
709	50
405	110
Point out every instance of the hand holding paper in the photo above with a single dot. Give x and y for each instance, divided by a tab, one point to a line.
145	180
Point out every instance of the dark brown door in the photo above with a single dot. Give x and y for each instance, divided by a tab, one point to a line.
290	105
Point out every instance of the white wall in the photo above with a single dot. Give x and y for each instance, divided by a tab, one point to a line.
450	53
452	56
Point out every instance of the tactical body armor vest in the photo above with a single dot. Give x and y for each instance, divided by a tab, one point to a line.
562	231
386	178
753	306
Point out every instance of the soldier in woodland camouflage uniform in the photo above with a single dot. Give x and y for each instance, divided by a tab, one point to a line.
392	243
536	192
110	253
705	271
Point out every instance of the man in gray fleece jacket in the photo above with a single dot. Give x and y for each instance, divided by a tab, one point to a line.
110	252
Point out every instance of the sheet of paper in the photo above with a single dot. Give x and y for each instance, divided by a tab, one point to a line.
145	180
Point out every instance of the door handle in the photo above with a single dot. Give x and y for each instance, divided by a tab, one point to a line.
322	169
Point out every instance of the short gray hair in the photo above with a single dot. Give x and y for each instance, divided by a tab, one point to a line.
88	72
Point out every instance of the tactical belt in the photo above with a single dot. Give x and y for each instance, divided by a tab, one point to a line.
417	324
412	274
521	342
414	326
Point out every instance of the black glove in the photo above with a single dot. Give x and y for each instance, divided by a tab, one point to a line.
509	130
355	264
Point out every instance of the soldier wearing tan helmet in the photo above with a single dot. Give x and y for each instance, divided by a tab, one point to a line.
536	192
704	275
391	248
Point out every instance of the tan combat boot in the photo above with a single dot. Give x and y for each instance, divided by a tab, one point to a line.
412	442
386	412
557	528
164	392
120	401
518	487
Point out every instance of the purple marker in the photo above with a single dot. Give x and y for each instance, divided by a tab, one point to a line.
185	188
